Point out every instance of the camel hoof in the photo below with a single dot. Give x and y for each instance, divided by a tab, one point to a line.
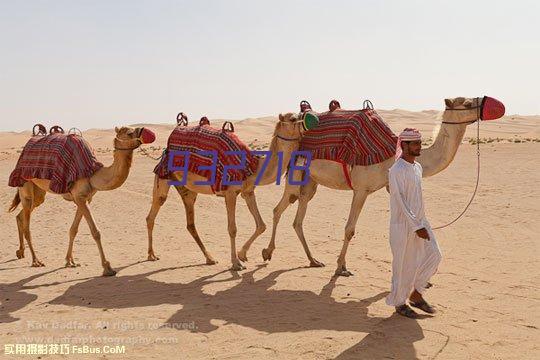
237	267
20	253
343	272
72	264
152	257
266	254
37	263
210	261
315	263
109	272
242	255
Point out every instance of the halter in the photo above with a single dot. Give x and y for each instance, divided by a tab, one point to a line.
123	140
478	113
477	156
292	139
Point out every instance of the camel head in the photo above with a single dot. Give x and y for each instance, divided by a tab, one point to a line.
128	138
292	126
463	110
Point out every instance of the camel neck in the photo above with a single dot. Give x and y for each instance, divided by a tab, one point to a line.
113	176
438	156
285	147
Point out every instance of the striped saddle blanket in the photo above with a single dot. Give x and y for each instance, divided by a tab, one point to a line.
60	158
352	137
194	139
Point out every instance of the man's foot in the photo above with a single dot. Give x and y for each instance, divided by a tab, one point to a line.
424	306
406	311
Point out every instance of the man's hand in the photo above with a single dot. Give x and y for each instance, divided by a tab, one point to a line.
423	233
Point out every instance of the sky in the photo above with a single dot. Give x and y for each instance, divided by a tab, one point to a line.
97	64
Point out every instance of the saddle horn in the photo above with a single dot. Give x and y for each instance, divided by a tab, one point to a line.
334	105
367	105
231	126
75	131
56	130
181	119
41	130
305	106
204	121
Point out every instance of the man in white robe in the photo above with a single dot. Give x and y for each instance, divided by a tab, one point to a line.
416	254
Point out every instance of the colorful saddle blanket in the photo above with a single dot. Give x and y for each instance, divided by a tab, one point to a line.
194	139
60	158
353	137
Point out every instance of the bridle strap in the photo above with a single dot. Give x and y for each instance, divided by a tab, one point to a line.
133	148
478	113
287	139
457	123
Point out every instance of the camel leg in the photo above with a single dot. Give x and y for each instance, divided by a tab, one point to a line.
19	218
359	198
260	226
230	203
189	198
72	233
159	196
306	194
290	195
83	208
27	192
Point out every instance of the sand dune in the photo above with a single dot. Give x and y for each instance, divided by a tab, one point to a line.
486	289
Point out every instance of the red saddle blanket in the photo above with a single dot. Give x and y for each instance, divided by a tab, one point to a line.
353	137
60	158
206	138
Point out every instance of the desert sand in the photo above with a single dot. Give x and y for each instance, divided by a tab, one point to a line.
486	290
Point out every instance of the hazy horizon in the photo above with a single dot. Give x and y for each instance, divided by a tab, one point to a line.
97	64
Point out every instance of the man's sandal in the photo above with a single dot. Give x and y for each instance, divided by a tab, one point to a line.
424	306
406	311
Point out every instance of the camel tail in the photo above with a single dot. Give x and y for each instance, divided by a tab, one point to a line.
16	201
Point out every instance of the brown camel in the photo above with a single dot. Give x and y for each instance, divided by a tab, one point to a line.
32	194
286	139
459	113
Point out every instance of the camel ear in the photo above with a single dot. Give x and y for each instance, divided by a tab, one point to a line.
281	117
449	103
116	129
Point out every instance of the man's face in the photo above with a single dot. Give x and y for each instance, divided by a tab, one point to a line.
413	148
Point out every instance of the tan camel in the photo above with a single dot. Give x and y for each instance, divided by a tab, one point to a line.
286	139
32	194
368	179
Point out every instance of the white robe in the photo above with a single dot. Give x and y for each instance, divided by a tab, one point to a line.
415	259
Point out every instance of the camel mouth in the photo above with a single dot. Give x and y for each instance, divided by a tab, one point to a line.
491	109
147	136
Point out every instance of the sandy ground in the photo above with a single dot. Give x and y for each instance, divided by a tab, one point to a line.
486	289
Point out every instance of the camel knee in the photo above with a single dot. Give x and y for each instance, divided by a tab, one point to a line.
73	231
349	233
232	231
96	235
261	228
150	221
191	228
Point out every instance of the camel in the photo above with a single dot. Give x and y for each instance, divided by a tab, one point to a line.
32	195
286	139
368	179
